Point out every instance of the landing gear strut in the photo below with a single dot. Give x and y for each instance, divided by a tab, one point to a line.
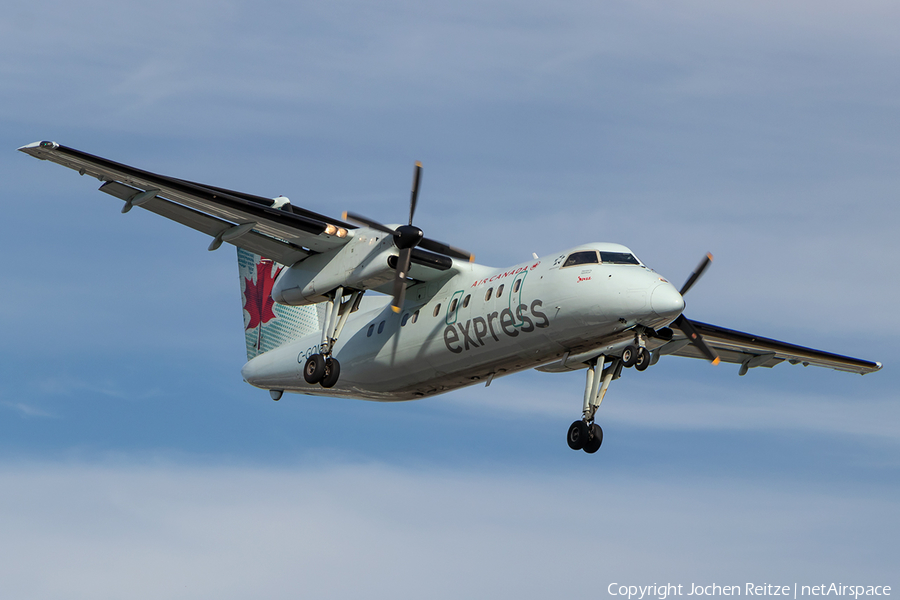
585	434
321	368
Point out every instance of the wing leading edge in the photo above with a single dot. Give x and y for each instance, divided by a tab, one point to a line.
283	233
751	351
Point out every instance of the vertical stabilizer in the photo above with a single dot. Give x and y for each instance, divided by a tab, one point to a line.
268	325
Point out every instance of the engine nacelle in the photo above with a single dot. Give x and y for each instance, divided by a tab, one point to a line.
362	264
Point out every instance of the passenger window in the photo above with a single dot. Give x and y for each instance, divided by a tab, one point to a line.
466	301
453	305
371	330
488	295
499	291
415	317
516	286
587	257
437	310
404	320
381	327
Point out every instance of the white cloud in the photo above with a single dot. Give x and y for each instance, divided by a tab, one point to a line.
68	386
351	530
27	410
192	64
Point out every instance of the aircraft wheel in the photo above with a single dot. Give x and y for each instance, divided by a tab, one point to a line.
593	444
629	356
578	434
332	372
314	369
643	359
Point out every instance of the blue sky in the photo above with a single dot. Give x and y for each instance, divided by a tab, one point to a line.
135	461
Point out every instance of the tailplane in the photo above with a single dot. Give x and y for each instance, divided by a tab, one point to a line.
268	325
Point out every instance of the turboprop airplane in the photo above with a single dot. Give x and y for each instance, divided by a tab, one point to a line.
441	321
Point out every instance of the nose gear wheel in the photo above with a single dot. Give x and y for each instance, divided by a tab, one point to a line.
642	360
629	356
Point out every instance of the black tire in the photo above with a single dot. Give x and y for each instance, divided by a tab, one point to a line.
629	356
593	444
332	372
643	360
578	434
314	369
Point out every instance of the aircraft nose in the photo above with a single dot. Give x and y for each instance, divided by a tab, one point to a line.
666	301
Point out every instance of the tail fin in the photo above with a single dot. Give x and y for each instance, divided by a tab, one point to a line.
268	325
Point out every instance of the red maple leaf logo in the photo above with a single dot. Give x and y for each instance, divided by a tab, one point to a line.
258	296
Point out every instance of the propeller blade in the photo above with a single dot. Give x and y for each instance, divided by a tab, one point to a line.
696	339
442	248
408	237
349	216
696	274
417	179
400	279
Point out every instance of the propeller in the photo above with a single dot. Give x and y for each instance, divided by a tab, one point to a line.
704	264
684	324
407	237
696	339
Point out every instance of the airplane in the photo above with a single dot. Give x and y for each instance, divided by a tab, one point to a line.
437	321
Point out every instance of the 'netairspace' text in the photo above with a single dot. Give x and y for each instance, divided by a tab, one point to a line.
748	589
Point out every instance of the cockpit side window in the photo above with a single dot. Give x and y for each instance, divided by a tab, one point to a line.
618	258
585	257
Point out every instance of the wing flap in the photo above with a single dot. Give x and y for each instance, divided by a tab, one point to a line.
751	351
279	251
297	226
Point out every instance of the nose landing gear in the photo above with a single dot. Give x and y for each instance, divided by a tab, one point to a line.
636	355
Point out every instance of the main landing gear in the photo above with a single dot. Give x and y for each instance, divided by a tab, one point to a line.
321	368
585	434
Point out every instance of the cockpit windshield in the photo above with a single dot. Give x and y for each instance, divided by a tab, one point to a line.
581	258
618	258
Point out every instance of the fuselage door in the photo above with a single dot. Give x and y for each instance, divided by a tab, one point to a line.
453	307
515	295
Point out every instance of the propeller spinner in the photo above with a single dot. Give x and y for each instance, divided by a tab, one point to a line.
407	237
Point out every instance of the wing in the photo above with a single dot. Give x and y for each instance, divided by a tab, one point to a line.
751	351
279	231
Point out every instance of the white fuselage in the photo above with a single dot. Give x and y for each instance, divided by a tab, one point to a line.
464	329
